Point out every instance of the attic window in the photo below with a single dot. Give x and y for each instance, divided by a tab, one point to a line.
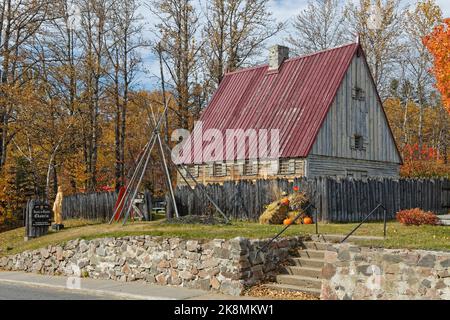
250	167
358	142
219	169
286	167
358	94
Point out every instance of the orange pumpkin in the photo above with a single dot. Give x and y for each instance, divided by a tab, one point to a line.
307	220
287	221
285	202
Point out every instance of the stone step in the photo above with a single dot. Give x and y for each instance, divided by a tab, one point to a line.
307	262
312	254
314	245
287	287
305	282
315	273
336	238
445	219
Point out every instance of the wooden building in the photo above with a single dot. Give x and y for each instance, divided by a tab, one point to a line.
327	111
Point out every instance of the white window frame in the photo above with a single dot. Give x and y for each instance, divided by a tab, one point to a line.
223	169
252	165
285	165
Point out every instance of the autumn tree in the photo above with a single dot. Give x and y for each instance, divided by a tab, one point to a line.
92	34
19	20
438	43
124	43
379	26
176	32
318	27
234	32
419	23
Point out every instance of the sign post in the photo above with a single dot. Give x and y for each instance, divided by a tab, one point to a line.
38	218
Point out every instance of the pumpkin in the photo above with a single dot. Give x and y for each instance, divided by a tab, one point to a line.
284	202
287	221
307	220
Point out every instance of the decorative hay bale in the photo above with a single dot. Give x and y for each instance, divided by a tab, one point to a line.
293	214
274	214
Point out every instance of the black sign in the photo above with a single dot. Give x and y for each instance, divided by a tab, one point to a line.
41	215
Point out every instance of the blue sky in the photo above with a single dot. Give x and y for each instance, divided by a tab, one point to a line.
282	10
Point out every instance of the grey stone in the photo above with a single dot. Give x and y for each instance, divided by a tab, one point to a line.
426	283
344	255
45	253
204	284
391	258
186	275
445	263
427	261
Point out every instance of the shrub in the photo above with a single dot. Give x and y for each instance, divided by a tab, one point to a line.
417	217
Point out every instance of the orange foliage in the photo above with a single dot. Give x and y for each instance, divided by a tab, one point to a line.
426	162
438	43
416	217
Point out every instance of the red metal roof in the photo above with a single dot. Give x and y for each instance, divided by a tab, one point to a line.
294	100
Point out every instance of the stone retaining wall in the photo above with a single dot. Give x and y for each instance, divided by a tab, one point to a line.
227	266
352	272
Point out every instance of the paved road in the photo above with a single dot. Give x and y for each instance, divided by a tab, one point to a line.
24	292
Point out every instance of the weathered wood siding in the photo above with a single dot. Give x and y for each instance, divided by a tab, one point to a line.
336	200
320	166
235	172
90	206
349	116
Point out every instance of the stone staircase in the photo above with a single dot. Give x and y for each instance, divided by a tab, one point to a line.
304	273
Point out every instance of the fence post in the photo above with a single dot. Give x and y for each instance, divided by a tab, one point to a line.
384	221
317	221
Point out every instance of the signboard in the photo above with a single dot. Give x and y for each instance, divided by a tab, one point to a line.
41	215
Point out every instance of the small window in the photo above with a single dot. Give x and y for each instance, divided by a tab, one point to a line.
358	94
250	167
219	169
286	167
194	170
358	142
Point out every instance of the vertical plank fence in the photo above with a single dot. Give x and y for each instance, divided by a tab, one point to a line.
90	206
337	200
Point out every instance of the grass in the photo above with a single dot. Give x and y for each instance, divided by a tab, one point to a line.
399	236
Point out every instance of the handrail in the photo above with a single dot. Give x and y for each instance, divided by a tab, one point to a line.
287	226
380	205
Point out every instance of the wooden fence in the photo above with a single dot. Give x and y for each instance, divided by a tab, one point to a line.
91	206
337	200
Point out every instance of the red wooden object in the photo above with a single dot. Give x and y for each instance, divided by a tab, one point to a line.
119	198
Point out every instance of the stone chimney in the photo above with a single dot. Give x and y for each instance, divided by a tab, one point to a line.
277	54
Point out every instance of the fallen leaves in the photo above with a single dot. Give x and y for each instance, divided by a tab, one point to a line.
262	291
